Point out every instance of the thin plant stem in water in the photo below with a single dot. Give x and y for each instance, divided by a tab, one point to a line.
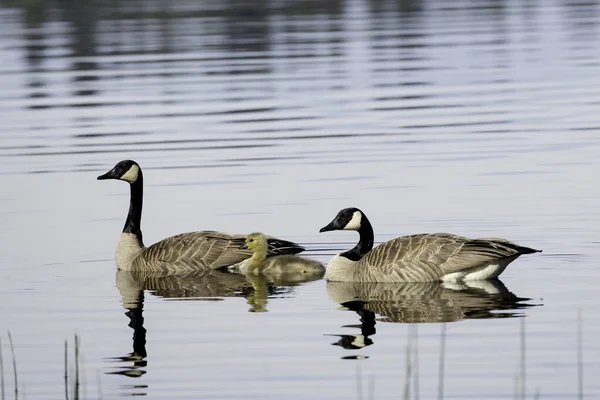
66	370
442	361
76	388
14	360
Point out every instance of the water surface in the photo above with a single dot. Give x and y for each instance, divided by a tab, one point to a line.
477	118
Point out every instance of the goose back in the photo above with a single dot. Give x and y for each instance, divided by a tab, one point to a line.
430	257
199	250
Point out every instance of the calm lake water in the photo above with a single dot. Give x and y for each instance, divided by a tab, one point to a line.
476	117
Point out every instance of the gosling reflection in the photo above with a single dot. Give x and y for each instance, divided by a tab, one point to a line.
266	286
257	300
420	302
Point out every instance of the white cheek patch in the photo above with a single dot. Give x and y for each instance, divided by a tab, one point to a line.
354	223
131	175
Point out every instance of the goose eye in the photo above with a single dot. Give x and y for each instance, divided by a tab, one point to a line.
251	240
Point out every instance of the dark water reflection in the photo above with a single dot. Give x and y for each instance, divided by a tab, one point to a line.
204	285
421	303
253	64
372	302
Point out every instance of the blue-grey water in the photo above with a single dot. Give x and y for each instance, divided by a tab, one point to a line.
476	117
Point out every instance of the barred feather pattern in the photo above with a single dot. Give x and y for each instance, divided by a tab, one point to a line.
197	284
206	283
192	251
425	258
429	301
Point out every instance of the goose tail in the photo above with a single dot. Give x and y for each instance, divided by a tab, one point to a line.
527	250
521	249
280	247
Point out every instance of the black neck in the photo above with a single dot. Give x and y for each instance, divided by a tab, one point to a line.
365	242
134	218
136	321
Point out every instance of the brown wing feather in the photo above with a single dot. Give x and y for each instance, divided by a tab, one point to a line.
194	250
411	258
427	257
478	252
204	249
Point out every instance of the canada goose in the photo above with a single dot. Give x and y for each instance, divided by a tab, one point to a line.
183	252
417	258
278	265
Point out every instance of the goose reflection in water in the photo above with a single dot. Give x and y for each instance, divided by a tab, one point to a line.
419	303
207	285
265	286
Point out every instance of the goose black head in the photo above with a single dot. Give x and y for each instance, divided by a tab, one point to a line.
349	219
126	170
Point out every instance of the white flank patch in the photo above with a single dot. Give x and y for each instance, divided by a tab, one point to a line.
354	223
131	175
488	271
